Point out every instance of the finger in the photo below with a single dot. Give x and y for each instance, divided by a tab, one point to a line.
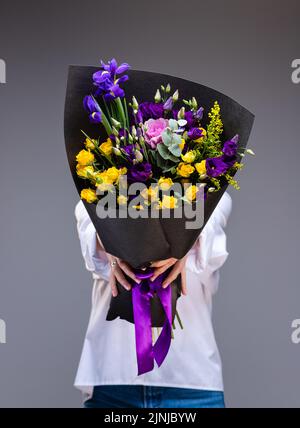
183	282
113	285
128	271
160	263
158	271
171	277
122	280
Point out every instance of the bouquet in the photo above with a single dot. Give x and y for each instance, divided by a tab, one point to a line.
147	155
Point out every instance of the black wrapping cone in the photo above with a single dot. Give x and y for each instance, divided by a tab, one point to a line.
140	241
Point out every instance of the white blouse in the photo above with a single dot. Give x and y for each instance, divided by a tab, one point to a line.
109	357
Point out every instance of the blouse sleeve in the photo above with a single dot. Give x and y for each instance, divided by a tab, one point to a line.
95	259
209	252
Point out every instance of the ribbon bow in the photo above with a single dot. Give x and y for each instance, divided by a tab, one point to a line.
142	294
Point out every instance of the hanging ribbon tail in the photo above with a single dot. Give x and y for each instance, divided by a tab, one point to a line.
143	333
141	300
162	344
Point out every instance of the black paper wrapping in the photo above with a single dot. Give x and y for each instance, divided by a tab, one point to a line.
142	240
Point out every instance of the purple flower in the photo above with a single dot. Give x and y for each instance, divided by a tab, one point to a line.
215	166
107	80
199	113
189	117
129	151
230	147
140	172
149	110
168	104
195	133
92	107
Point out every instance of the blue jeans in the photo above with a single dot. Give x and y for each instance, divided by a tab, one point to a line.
138	396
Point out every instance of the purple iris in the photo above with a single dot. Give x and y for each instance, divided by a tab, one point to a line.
107	80
91	106
149	110
139	172
195	133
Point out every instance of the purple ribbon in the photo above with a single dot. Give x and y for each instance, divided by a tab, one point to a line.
141	299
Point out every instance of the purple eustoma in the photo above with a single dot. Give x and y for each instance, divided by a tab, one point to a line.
149	110
140	172
216	166
195	133
230	147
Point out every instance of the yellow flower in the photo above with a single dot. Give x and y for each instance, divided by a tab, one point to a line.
123	170
85	157
112	174
122	200
168	202
103	181
89	195
90	144
185	169
85	171
106	147
191	192
165	183
151	193
189	157
181	145
199	140
201	167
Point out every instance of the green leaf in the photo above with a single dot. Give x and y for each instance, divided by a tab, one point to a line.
163	151
175	150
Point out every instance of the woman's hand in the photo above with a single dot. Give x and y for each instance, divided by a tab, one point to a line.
118	269
178	267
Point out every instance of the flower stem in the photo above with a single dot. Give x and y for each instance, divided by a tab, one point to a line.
121	110
179	320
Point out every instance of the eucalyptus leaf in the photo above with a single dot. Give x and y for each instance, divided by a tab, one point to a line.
163	151
175	150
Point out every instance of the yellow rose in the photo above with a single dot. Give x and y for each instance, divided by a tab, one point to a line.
85	171
199	140
106	147
89	195
168	202
112	174
181	145
85	157
150	194
201	167
189	157
103	181
191	193
90	144
123	170
165	183
185	169
122	200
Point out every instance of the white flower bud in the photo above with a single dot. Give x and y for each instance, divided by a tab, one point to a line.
181	113
175	96
250	152
168	88
157	96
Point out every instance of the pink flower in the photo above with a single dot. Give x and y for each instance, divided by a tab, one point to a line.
153	130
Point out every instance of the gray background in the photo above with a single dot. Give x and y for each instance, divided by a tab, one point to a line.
244	49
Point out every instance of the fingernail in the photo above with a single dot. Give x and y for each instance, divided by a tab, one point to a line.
138	280
165	285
